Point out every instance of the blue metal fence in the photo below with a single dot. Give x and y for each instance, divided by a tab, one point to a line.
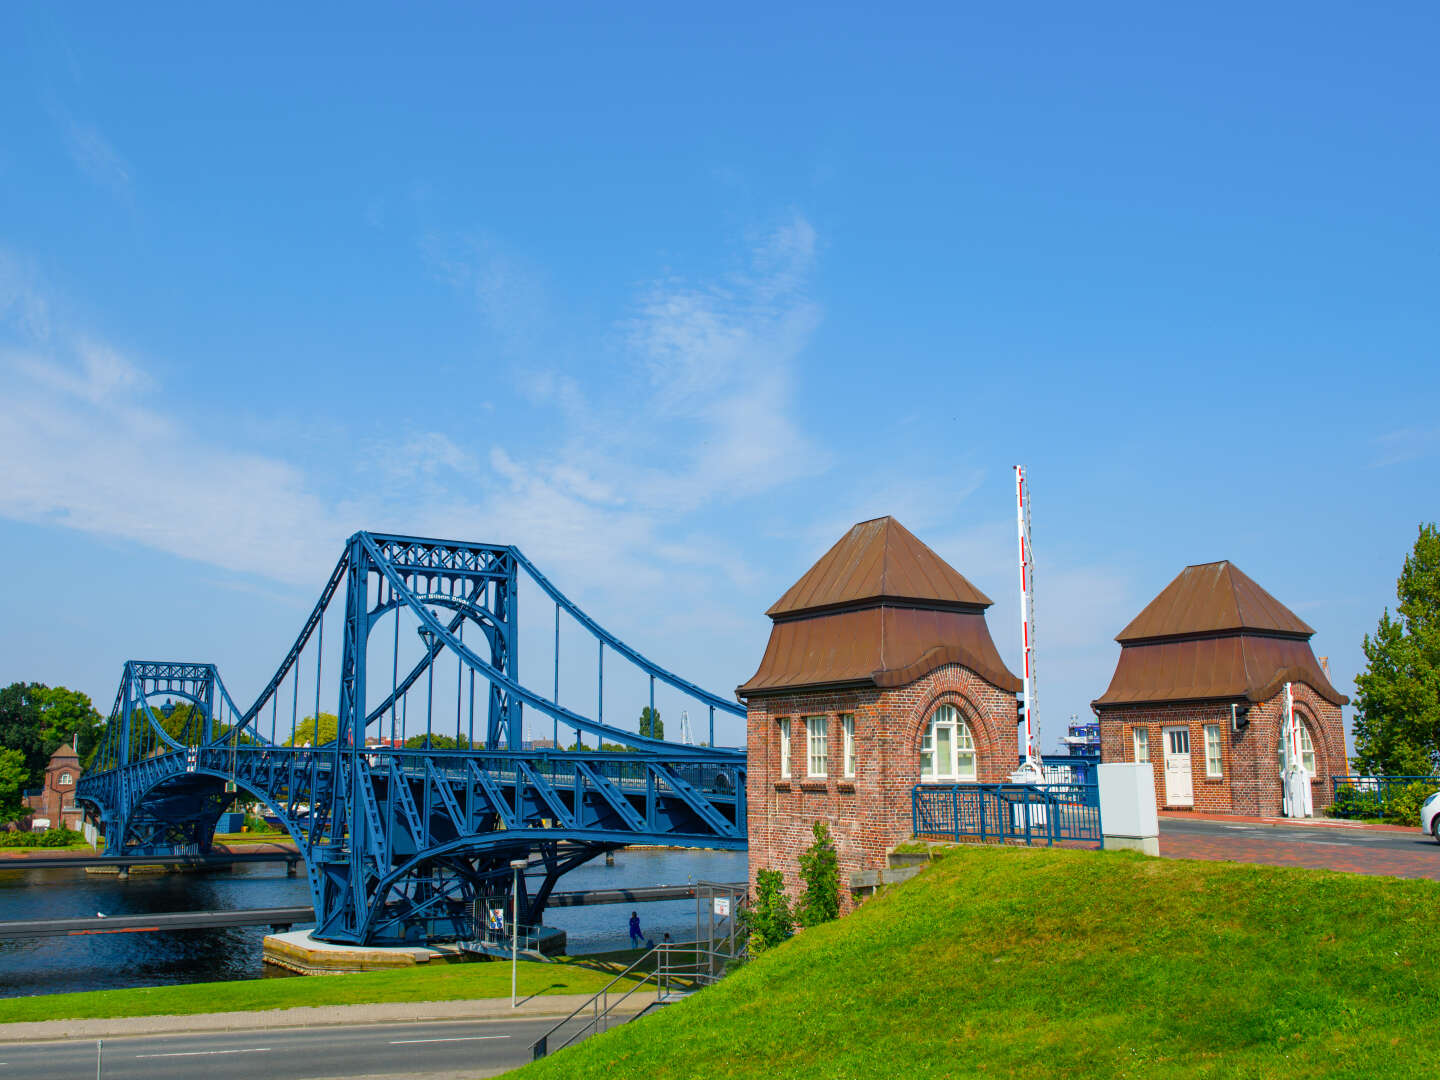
1376	791
1007	813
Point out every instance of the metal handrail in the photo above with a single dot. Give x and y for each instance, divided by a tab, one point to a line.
664	974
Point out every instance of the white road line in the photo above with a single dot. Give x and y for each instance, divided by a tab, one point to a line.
207	1053
456	1038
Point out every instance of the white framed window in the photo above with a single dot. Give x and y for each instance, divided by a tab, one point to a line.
847	726
1307	750
1212	750
784	747
1142	745
947	750
65	778
1307	747
817	739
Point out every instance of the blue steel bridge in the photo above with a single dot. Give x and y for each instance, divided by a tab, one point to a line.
400	843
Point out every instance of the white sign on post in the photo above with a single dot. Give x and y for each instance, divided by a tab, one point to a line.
722	906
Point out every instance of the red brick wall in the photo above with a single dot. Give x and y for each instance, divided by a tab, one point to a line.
1250	761
871	812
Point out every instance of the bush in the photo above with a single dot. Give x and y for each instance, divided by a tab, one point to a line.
820	870
1402	805
50	838
1353	803
257	824
769	921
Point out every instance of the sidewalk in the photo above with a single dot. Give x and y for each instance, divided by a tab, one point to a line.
543	1005
1322	823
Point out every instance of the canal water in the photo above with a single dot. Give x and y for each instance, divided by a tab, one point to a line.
106	961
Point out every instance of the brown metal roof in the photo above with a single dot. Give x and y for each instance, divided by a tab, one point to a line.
880	646
1198	669
875	560
881	609
1208	598
1214	633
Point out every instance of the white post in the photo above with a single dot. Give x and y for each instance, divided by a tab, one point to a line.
516	865
1030	770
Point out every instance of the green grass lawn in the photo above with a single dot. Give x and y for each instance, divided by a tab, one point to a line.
1049	963
430	982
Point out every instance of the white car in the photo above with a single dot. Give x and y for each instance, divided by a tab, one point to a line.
1430	816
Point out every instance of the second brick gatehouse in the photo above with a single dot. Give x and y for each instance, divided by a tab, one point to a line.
880	673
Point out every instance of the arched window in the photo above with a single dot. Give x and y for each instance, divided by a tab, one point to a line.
65	779
947	751
1307	746
1307	750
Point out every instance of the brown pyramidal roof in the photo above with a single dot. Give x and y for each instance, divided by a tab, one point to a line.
1213	633
879	560
879	609
1213	598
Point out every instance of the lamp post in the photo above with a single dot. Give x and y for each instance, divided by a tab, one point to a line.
516	865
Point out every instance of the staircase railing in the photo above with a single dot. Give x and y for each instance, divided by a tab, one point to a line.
671	976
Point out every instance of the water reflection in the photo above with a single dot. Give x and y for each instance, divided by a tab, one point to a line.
98	962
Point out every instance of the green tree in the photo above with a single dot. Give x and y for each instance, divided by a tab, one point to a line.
12	784
650	723
37	720
769	920
820	870
305	732
1397	696
438	742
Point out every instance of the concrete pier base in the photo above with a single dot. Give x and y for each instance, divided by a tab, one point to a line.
297	951
1150	845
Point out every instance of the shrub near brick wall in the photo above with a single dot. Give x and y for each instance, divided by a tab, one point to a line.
868	813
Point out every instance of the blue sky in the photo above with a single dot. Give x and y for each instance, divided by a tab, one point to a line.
671	299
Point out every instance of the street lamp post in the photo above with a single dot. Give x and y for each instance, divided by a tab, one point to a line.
516	865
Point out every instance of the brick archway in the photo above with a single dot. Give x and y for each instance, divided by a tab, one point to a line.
986	751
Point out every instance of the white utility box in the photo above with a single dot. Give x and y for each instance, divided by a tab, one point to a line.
1129	819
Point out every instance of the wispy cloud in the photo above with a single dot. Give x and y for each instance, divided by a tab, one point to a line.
501	285
1406	444
92	153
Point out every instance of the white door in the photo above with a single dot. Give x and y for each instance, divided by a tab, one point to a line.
1179	786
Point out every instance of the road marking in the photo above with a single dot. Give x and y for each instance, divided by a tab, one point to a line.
207	1053
456	1038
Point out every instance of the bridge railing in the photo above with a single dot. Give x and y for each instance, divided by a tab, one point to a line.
1365	796
1007	813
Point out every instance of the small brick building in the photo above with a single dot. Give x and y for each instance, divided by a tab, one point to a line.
55	801
1199	692
880	673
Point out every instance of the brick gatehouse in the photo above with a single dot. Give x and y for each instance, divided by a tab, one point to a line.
1199	692
880	673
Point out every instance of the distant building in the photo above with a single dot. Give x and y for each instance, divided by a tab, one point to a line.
1199	694
880	673
55	801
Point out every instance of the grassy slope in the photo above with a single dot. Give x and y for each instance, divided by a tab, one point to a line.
439	982
1012	962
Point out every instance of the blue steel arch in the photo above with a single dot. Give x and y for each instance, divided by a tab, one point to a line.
399	843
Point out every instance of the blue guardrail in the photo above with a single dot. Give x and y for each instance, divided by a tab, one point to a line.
1007	813
1380	789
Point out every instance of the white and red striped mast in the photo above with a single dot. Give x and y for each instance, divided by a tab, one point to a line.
1027	619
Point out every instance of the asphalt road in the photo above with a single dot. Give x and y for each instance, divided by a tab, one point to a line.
1321	835
435	1049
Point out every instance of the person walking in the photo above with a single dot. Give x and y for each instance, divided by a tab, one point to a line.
636	938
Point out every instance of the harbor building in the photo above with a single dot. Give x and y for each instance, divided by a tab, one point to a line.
1199	694
880	673
53	805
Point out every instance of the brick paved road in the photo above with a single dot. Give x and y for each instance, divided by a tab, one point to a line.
1358	851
